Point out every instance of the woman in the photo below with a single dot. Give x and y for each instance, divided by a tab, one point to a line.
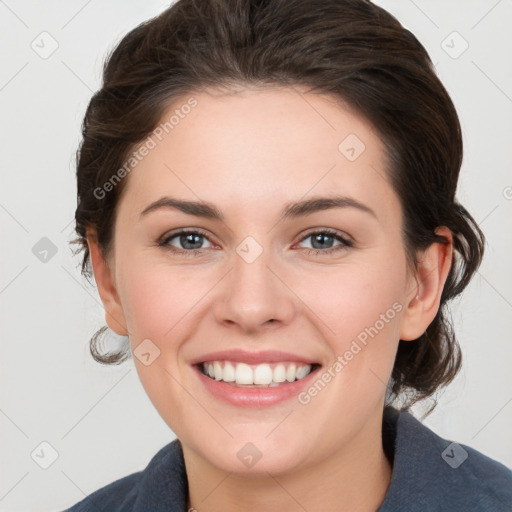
230	141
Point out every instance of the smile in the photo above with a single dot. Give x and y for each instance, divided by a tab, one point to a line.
255	386
256	375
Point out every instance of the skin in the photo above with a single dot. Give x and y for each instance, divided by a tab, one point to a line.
249	153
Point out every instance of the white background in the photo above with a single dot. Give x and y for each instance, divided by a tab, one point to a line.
99	419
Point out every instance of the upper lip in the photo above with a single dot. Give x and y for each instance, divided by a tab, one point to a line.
243	356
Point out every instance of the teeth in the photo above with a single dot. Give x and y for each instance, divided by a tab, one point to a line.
228	374
279	373
290	373
243	374
217	370
301	372
262	374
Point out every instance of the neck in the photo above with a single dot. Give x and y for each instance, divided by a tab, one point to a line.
352	478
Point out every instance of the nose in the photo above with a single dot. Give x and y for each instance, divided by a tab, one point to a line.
254	296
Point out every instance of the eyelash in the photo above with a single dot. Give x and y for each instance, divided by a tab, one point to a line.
345	243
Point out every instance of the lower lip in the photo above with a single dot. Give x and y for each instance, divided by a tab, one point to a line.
254	397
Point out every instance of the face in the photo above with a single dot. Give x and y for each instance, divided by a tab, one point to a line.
267	273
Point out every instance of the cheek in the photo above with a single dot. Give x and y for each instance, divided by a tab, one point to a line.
162	304
160	301
150	303
360	308
351	297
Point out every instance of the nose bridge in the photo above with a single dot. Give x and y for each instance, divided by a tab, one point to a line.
255	294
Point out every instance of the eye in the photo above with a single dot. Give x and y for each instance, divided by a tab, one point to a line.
188	241
322	242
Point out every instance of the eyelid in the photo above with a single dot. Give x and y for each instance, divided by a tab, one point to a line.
346	241
164	239
330	231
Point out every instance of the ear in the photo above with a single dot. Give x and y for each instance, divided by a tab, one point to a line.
114	315
424	297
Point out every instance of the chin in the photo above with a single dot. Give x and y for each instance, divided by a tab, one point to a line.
255	458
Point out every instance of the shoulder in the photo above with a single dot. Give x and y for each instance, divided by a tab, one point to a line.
117	496
433	473
160	486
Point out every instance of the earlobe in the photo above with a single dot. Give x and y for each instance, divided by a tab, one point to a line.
424	298
114	315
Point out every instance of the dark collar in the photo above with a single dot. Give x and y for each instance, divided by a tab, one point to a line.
424	477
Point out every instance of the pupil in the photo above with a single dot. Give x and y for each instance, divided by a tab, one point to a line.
320	237
185	239
195	240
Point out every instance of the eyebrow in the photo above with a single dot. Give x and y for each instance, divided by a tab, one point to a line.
291	210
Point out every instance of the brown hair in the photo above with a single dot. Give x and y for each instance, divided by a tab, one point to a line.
351	49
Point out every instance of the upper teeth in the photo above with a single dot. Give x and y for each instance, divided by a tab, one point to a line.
265	373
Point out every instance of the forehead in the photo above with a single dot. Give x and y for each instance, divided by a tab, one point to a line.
250	147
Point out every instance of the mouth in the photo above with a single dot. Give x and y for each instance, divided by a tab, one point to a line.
263	375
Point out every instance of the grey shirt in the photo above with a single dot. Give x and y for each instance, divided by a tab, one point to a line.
429	474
